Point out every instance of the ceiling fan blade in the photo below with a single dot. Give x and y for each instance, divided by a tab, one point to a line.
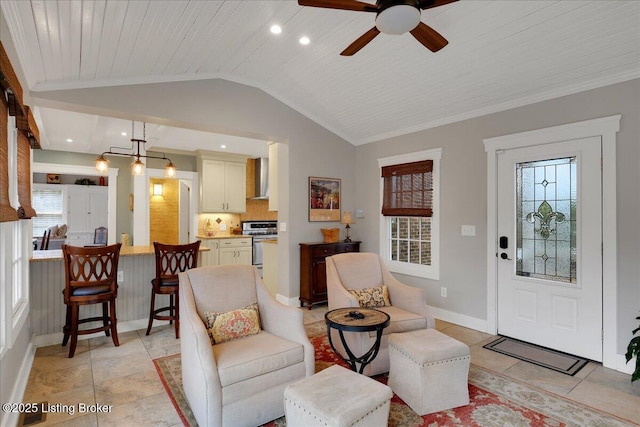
429	37
340	4
428	4
360	42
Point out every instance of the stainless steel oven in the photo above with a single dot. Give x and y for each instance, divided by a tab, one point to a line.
259	231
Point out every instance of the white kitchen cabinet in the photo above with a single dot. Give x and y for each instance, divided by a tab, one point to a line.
236	251
210	257
87	208
223	185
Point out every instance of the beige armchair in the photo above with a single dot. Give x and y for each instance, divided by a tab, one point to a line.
239	382
408	310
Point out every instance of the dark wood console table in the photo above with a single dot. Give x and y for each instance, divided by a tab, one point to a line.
313	272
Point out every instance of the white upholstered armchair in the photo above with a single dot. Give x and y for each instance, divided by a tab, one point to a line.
362	270
239	382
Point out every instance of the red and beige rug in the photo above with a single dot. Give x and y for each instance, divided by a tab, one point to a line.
495	400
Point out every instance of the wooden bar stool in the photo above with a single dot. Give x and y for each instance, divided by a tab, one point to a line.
90	278
170	260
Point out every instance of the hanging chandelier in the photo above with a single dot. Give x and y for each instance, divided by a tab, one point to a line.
137	166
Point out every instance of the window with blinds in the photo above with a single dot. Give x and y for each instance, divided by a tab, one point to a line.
410	226
49	205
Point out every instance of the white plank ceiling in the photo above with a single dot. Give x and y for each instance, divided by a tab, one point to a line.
501	54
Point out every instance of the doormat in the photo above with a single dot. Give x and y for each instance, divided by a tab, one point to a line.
541	356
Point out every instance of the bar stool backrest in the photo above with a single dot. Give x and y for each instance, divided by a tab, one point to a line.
174	259
87	267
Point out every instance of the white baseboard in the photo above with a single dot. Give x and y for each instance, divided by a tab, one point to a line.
623	366
130	325
20	386
291	302
459	319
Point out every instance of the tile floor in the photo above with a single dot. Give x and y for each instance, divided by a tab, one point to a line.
125	378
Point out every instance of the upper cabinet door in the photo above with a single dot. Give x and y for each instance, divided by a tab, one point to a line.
212	186
223	187
236	187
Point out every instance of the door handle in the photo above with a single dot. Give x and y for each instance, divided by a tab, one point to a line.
504	255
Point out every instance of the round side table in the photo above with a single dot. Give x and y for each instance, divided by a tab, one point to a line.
352	319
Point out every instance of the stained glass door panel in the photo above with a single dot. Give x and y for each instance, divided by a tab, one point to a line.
546	194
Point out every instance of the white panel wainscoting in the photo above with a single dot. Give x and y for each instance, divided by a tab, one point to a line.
132	305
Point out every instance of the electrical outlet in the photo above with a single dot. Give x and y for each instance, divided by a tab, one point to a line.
120	276
223	226
443	292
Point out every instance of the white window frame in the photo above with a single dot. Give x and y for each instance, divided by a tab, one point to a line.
426	271
14	258
65	199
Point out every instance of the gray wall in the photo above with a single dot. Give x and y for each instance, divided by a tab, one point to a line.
463	194
231	108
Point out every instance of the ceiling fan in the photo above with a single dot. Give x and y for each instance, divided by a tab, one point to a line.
392	17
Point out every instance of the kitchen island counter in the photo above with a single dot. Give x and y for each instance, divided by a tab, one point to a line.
136	268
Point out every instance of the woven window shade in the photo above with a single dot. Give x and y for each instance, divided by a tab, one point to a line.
408	189
24	177
7	213
8	76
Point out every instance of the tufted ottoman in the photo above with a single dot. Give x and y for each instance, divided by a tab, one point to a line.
429	370
337	397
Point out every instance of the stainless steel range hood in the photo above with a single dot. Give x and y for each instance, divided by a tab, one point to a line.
262	178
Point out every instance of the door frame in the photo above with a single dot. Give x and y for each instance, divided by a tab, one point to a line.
606	128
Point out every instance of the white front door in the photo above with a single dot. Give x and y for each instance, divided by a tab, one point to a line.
550	246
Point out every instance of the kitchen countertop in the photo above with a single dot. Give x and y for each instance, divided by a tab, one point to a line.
124	251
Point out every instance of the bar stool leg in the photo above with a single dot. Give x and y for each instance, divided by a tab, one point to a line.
66	329
105	317
114	323
151	311
177	317
170	308
74	329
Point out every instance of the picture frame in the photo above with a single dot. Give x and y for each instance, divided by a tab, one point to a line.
324	199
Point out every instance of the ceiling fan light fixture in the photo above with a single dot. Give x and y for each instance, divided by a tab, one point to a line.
398	19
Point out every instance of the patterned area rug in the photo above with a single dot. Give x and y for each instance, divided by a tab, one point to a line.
495	400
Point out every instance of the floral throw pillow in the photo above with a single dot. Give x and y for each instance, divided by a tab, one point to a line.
372	297
233	324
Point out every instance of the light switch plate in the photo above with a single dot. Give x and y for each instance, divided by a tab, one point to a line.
283	226
359	213
468	230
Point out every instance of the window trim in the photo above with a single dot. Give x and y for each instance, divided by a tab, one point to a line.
431	271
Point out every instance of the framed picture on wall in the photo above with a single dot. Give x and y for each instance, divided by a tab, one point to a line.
324	199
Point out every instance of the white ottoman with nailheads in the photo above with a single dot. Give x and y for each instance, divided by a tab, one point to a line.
429	370
337	397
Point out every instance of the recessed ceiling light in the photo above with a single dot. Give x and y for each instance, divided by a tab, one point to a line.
123	133
276	29
223	146
304	40
69	140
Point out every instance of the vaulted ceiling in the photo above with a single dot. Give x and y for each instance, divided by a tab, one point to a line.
501	54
